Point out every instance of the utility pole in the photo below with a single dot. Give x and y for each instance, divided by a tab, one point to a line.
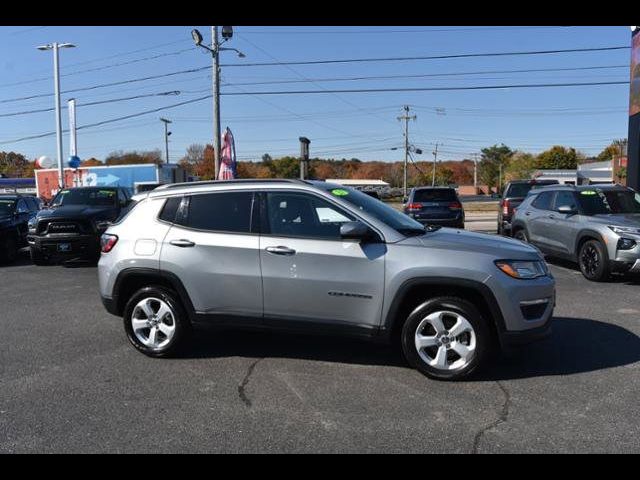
215	49
475	173
406	119
166	137
435	160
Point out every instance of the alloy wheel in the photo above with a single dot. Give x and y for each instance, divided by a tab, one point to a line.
153	322
445	340
590	260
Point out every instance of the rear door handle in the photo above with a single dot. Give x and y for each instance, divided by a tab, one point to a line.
280	250
182	243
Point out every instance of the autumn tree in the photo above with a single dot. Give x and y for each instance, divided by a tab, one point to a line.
92	162
13	164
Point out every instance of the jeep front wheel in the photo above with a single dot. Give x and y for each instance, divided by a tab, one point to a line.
446	338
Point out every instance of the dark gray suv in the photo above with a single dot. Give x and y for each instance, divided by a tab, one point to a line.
596	226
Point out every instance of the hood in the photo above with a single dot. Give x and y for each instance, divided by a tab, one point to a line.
619	219
464	241
80	211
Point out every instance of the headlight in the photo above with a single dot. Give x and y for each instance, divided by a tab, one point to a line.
616	229
523	269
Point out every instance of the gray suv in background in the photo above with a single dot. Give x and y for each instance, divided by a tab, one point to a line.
596	226
313	256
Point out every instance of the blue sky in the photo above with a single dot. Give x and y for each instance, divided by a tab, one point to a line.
361	125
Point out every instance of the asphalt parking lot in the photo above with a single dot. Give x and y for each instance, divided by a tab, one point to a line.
70	382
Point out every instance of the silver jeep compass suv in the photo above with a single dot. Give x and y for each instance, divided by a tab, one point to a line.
302	256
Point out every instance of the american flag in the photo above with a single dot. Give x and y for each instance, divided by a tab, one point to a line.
227	157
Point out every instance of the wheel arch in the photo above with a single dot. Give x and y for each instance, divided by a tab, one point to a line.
131	280
416	291
584	236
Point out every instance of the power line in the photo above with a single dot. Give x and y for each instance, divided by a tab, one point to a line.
111	84
95	69
382	31
88	104
430	57
111	120
425	89
427	75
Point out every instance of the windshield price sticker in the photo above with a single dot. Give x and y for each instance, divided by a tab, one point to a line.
339	192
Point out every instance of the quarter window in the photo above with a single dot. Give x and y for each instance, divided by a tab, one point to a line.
300	215
221	212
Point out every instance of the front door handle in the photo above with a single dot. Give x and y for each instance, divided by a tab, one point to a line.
280	250
182	243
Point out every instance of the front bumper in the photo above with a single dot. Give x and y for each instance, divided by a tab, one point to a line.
79	246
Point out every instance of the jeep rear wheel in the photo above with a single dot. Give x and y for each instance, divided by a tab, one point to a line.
155	322
446	338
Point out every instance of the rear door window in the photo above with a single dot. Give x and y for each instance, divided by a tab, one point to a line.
220	212
565	199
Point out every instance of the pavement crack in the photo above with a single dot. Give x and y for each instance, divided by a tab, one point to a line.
245	381
502	418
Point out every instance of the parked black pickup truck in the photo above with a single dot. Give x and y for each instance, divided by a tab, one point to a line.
70	227
15	213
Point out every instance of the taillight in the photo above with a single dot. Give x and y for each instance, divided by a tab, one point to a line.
414	207
107	242
505	207
455	206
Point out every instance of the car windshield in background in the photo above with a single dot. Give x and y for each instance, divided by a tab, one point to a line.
604	202
434	195
381	211
89	197
7	206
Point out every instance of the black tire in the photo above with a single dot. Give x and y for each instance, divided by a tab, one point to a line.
179	319
458	306
522	235
9	251
594	261
37	257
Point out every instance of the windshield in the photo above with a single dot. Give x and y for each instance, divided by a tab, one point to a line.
7	206
89	197
381	211
604	202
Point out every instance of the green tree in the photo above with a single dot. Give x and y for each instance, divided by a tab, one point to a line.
494	159
558	158
521	166
444	176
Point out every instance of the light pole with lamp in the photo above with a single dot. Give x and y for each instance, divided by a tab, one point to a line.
215	49
56	82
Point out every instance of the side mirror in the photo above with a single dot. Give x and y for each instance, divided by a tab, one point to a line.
567	210
355	230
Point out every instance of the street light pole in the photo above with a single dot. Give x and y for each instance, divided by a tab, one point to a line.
215	50
55	46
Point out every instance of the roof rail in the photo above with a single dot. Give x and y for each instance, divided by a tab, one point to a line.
228	182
